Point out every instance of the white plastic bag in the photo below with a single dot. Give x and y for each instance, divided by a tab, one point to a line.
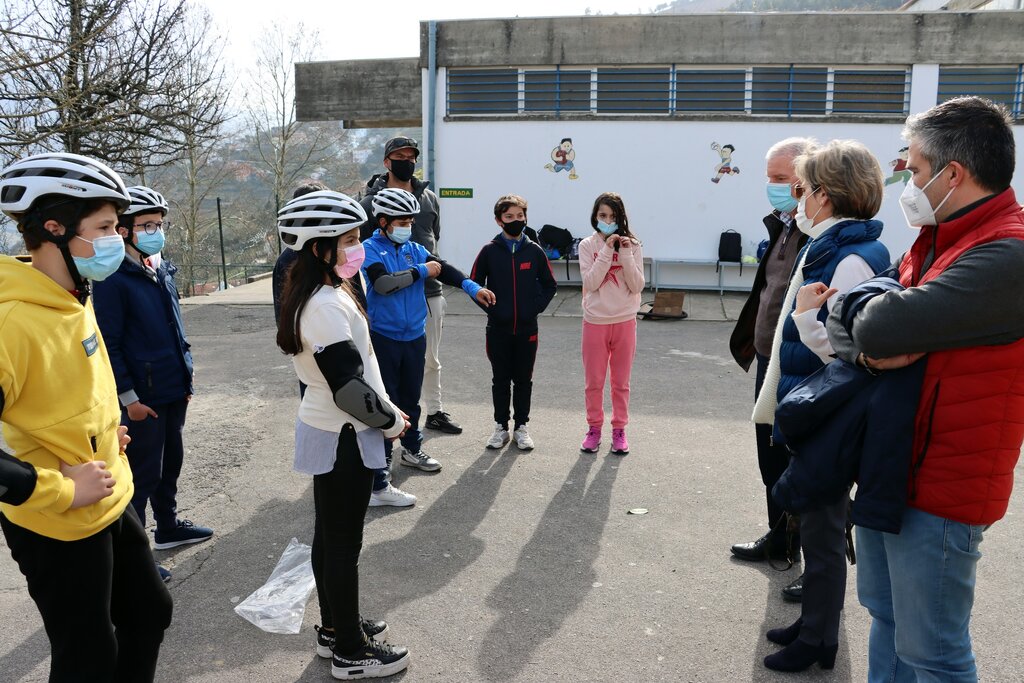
278	605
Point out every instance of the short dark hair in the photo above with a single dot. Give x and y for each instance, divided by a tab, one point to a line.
569	140
973	131
308	187
67	211
729	147
505	202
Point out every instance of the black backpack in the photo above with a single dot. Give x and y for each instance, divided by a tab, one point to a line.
554	238
730	247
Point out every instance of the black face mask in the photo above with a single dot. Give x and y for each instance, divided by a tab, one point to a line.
514	228
403	169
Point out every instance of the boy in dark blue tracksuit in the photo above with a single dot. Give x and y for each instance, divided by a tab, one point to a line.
138	314
517	271
395	271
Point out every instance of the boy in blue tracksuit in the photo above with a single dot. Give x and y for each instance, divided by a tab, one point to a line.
138	314
395	271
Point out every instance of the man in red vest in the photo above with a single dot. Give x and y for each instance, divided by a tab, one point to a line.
963	312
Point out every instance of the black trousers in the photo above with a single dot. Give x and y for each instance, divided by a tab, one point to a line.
103	604
512	358
340	498
772	460
823	539
156	454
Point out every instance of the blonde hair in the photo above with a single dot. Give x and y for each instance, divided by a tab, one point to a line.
849	174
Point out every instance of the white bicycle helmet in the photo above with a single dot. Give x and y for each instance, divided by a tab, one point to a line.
392	201
146	200
318	214
58	173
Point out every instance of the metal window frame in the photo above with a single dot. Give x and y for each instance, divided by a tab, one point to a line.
949	90
892	70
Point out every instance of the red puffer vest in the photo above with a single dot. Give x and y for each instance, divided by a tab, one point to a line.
970	419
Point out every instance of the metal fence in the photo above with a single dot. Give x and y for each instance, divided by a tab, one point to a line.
203	278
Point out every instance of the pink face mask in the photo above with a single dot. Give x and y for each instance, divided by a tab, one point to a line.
354	257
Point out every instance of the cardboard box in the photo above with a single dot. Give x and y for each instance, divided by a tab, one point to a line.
668	304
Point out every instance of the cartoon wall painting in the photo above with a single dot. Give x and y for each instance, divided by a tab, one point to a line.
724	165
563	158
900	172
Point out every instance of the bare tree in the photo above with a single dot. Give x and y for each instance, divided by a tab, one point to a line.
105	78
287	149
201	167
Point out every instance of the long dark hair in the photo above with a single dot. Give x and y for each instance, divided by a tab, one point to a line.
614	202
304	278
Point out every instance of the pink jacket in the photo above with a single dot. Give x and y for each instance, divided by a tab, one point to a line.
612	282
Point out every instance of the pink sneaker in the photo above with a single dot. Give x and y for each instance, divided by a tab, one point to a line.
591	441
619	444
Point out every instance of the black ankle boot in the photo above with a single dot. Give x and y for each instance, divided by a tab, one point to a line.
785	636
798	656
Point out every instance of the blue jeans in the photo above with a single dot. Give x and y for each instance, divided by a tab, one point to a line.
918	587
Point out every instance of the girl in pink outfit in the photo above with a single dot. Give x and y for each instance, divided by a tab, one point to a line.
612	264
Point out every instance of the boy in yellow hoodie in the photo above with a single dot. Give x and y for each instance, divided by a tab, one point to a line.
64	492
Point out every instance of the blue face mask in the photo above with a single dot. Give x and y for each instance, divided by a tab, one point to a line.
607	228
400	235
105	262
149	244
781	197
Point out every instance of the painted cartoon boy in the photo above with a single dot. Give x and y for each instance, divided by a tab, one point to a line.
563	157
725	166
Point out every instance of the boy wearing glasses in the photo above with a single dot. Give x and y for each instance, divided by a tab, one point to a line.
138	313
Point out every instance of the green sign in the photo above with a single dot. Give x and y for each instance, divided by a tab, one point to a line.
456	192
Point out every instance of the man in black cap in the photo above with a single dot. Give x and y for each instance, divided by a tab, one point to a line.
400	155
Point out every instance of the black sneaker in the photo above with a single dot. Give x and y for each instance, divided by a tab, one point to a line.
183	533
373	660
443	422
375	630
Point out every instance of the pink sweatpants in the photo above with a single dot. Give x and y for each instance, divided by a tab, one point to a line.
603	346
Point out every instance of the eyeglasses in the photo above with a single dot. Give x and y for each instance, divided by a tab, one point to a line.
799	191
152	227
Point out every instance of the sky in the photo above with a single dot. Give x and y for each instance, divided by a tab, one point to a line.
373	29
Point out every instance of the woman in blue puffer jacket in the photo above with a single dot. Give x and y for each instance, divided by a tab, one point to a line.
840	190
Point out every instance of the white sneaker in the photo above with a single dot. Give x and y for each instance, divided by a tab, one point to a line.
522	437
392	496
499	438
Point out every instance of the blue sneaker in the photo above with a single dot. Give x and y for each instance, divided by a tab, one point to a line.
165	573
183	533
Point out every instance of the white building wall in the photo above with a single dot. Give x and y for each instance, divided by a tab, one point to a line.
663	170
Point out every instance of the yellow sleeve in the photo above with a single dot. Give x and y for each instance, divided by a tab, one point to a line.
53	491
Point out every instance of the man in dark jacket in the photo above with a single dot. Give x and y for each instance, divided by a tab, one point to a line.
400	156
138	314
752	338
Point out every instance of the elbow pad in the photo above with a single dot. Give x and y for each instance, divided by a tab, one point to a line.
17	478
342	367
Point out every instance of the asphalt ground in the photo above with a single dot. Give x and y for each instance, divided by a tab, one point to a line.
512	566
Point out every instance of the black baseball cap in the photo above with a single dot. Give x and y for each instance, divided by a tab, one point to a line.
400	142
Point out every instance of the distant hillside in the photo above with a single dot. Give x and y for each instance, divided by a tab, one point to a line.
707	6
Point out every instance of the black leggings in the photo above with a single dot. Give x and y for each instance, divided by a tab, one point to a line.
340	498
103	604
